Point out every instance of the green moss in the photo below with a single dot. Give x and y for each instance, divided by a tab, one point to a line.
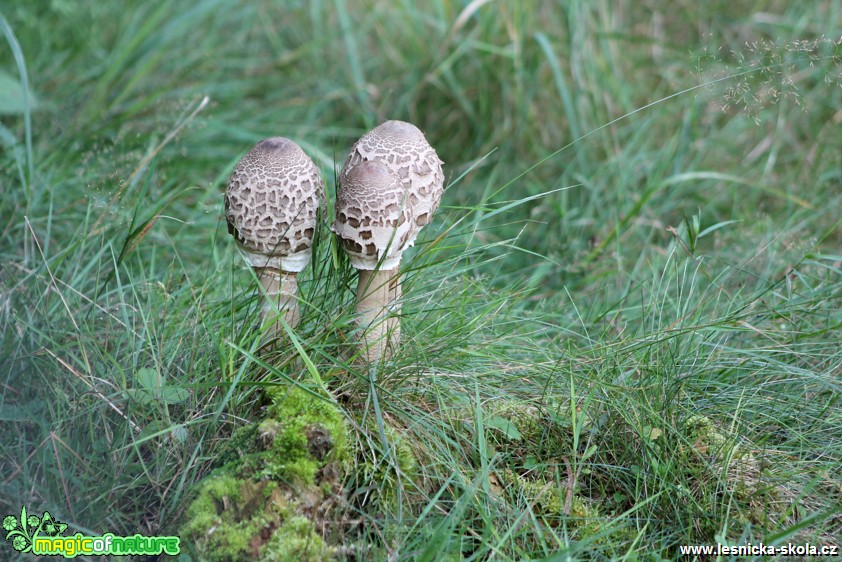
226	516
546	497
302	434
296	540
275	472
547	500
726	456
716	453
241	443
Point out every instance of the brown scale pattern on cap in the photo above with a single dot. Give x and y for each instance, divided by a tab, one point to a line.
403	149
273	199
372	217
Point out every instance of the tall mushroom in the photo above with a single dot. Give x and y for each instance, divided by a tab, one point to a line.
389	188
272	206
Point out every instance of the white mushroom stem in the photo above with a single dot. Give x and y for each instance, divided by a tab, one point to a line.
280	288
375	299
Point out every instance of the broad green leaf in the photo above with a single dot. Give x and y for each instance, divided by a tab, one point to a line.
148	379
140	395
508	428
11	99
174	394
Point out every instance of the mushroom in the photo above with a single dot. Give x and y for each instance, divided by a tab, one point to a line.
389	188
271	206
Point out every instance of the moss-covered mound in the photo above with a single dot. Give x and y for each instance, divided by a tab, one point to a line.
715	454
278	489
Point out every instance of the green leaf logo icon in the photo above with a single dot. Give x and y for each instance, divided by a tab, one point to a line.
52	527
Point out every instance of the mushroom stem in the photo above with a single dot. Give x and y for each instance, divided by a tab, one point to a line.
281	288
393	323
374	300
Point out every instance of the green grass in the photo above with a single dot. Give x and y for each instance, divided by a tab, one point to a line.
621	331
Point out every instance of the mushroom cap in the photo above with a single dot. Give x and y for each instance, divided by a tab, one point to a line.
403	150
272	204
373	220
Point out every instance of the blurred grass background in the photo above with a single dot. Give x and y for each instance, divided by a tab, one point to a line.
642	220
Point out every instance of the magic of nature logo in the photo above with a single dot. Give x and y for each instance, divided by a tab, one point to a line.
45	536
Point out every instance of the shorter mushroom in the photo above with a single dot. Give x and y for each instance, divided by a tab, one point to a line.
372	223
271	206
389	188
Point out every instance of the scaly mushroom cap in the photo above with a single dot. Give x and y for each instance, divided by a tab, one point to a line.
402	148
272	205
373	220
